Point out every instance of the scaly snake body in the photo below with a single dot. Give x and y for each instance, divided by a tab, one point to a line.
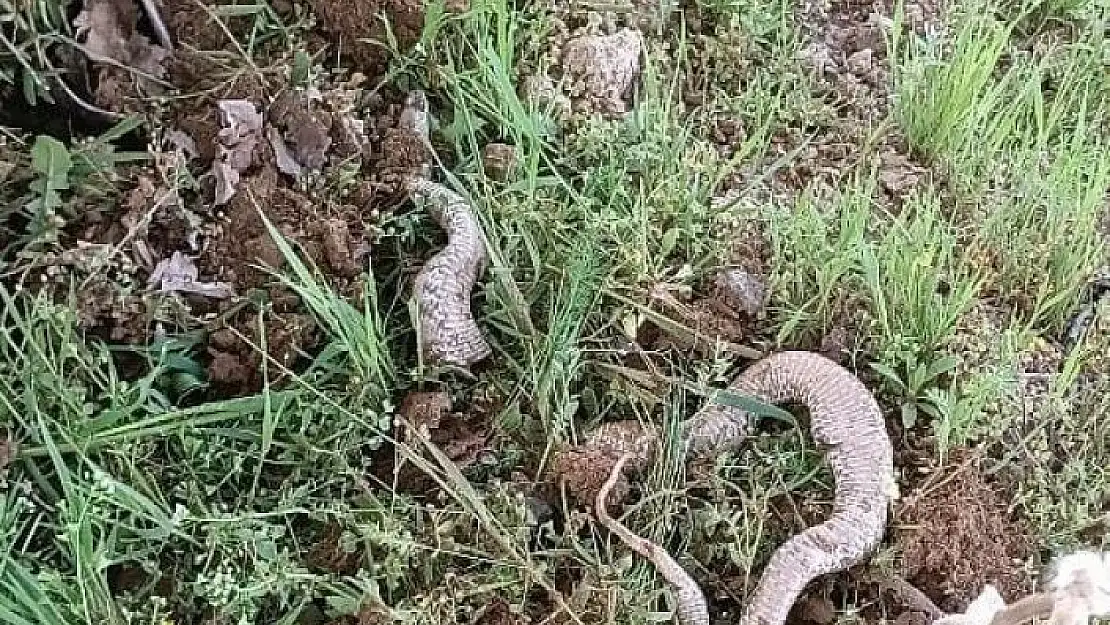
448	332
845	421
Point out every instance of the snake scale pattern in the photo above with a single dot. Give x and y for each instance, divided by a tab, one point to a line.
448	332
845	421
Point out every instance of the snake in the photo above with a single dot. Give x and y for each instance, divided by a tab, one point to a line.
846	422
449	334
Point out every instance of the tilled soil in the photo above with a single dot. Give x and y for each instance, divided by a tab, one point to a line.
348	122
955	514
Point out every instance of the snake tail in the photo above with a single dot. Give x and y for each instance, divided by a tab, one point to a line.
448	331
848	426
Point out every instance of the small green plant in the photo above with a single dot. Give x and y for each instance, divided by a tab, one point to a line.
816	246
945	91
52	163
912	383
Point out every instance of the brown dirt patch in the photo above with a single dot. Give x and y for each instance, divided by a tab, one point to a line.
465	437
697	323
351	23
956	534
194	25
328	554
241	240
234	362
499	612
583	469
368	615
341	123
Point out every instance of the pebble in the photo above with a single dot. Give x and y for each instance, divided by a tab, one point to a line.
742	291
861	62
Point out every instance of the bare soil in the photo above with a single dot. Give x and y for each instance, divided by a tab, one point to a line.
955	513
345	123
350	24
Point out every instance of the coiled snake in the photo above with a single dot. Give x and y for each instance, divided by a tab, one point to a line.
845	421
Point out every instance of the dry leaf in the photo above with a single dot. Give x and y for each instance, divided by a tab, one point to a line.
183	142
236	142
226	179
285	161
178	274
109	33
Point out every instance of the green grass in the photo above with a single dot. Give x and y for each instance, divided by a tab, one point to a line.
129	461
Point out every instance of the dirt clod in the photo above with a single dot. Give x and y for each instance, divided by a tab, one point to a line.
424	410
499	160
742	291
329	554
357	28
959	536
499	612
602	69
585	468
306	129
108	31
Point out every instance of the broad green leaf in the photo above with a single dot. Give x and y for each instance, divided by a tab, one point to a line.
302	65
890	374
943	365
50	158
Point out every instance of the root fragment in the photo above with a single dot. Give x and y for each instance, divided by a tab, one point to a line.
692	608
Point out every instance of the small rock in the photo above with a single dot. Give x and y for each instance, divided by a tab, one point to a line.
742	291
499	160
178	274
898	175
602	69
311	141
241	131
861	62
